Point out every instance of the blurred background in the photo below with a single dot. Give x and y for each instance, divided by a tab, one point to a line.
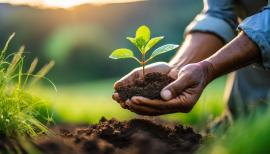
80	38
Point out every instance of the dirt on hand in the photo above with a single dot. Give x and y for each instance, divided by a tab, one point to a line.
137	136
150	87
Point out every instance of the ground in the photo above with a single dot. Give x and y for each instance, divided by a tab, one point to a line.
136	136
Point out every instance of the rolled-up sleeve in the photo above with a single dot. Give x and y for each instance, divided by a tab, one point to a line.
257	28
217	17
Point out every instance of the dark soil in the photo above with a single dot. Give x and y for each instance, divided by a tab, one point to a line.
9	145
137	136
150	87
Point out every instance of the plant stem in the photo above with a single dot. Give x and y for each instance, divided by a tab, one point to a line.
143	65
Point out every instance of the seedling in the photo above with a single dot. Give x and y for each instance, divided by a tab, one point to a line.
144	43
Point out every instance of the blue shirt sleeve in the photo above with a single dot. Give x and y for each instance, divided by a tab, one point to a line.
257	28
217	17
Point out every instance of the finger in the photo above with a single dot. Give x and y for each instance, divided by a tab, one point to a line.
116	97
183	104
161	67
155	103
173	73
139	100
178	104
127	79
143	110
174	89
123	105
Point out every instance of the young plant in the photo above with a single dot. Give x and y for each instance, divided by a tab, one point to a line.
144	43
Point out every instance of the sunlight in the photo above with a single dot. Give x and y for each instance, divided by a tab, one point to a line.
63	3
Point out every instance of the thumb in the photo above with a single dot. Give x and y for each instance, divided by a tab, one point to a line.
173	89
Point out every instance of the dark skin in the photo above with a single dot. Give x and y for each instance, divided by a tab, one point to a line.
199	61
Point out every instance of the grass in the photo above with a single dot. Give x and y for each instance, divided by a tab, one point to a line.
248	135
20	111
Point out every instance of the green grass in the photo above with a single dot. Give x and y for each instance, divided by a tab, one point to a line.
249	135
84	103
87	102
19	109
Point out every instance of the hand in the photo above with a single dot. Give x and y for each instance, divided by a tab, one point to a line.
160	67
179	96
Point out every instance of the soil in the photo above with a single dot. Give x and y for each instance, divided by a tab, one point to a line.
136	136
149	87
11	143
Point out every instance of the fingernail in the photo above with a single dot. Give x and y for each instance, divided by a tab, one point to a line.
166	94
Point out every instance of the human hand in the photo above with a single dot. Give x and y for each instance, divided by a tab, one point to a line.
179	96
129	79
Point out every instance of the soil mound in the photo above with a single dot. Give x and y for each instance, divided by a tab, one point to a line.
137	136
150	87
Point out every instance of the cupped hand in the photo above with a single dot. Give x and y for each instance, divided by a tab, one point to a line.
179	96
160	67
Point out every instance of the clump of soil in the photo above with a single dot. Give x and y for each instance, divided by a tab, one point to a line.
150	87
137	136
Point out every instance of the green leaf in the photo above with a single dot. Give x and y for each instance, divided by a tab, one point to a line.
163	49
143	32
132	40
140	43
152	43
122	53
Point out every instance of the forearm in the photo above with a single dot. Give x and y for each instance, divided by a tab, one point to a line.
196	47
239	53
